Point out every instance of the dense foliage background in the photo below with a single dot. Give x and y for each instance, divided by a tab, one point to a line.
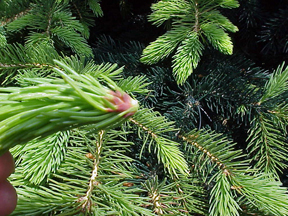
260	46
211	135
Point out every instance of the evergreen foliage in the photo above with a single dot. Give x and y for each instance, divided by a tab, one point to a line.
50	22
193	24
267	138
215	145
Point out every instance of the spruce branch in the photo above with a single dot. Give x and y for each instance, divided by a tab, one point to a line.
263	192
51	22
221	153
109	192
70	166
72	39
154	190
267	141
164	45
191	21
109	50
267	145
277	84
40	158
218	38
16	57
229	180
209	145
93	179
168	198
137	84
280	114
60	104
191	194
273	34
93	184
167	150
222	200
6	19
45	201
94	5
187	57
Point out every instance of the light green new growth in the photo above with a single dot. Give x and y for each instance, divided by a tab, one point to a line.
194	23
51	22
60	104
154	128
77	157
